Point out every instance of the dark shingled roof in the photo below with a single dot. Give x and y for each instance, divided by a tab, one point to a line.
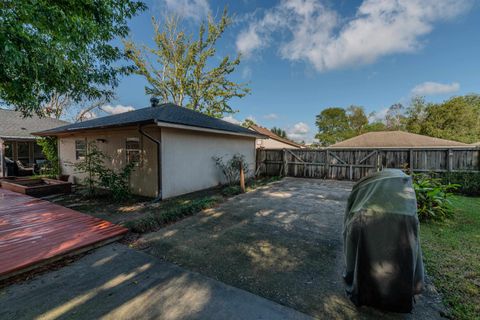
168	113
14	125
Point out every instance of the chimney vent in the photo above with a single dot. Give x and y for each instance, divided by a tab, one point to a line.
154	102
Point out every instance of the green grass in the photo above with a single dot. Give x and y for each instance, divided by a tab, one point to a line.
452	257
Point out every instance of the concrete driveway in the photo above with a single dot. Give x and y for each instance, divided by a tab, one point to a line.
116	282
282	242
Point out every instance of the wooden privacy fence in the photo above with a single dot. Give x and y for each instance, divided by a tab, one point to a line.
353	164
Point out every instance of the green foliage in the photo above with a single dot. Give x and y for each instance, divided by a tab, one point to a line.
99	176
456	119
231	168
338	124
182	74
451	251
117	183
279	132
49	149
332	126
247	123
92	164
157	219
433	197
62	47
468	182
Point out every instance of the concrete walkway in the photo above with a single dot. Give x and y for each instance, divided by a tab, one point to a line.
116	282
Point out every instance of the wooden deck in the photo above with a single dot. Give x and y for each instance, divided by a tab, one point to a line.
35	231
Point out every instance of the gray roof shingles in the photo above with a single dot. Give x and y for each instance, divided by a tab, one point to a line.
168	113
14	125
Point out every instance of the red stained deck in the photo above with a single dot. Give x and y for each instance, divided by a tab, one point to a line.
35	231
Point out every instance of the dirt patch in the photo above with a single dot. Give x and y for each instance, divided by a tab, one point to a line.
282	242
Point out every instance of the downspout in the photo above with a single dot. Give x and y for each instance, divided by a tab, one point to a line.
159	160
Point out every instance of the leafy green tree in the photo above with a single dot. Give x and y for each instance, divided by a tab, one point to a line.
357	120
456	119
332	126
279	132
248	123
60	47
183	73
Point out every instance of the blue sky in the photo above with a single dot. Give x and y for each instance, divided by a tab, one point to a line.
302	56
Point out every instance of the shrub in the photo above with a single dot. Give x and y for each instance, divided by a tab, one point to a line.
99	176
49	149
157	219
231	168
468	182
433	197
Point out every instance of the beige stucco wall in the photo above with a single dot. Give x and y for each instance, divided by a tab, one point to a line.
273	144
143	180
187	163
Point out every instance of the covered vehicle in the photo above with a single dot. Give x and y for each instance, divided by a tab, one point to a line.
384	267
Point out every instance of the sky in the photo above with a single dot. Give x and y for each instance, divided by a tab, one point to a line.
302	56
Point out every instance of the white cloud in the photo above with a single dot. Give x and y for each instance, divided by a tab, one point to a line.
300	132
433	88
246	72
116	109
315	33
232	120
271	116
194	9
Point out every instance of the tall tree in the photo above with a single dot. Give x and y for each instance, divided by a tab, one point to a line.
248	122
182	73
332	126
279	132
60	47
456	119
395	117
357	119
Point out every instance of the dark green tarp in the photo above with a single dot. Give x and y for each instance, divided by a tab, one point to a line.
383	258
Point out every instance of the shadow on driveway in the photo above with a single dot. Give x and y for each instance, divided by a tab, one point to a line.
282	242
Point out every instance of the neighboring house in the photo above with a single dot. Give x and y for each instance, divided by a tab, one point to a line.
17	144
173	147
476	144
272	141
395	139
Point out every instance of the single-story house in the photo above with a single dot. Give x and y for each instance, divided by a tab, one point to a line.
18	146
173	147
395	139
273	141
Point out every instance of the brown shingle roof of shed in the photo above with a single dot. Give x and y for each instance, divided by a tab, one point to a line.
396	139
272	135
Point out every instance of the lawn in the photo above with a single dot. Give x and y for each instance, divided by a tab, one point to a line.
452	257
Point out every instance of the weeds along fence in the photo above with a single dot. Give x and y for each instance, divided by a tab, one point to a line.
353	164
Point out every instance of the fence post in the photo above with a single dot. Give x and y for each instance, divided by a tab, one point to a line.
242	178
327	163
450	159
410	164
285	163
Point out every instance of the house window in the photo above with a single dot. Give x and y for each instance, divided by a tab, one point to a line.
133	150
80	149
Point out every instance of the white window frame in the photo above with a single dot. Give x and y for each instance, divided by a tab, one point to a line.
129	150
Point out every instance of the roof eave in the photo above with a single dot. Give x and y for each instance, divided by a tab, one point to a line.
202	129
